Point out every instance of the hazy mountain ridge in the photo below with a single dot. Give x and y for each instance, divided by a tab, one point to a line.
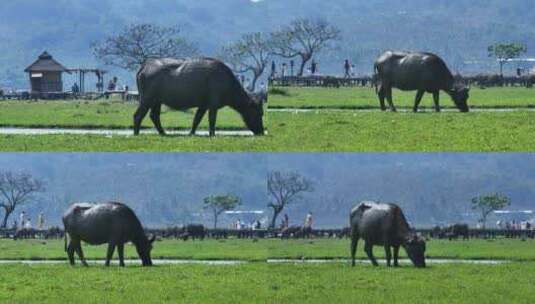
163	188
458	30
431	189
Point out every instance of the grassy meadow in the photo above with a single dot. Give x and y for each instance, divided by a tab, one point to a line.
260	282
321	130
324	131
366	98
112	114
263	249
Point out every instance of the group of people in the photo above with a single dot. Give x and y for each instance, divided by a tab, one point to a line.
515	225
240	225
25	222
313	69
285	223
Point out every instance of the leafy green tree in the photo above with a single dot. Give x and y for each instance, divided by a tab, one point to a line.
486	204
505	52
218	204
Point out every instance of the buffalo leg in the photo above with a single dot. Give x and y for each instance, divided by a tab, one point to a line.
78	247
70	252
212	117
155	112
354	243
368	248
388	255
396	254
381	94
197	120
120	251
388	93
417	100
436	101
111	249
138	117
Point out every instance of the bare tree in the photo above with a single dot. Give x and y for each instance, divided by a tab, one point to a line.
249	54
285	188
221	203
16	189
136	43
303	38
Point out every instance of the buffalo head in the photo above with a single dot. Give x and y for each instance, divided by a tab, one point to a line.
252	114
144	248
459	94
415	247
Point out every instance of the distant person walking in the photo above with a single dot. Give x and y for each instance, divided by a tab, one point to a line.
41	221
283	70
313	67
22	220
273	69
347	69
285	221
308	221
28	224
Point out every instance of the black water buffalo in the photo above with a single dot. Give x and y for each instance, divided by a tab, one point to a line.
456	230
296	232
384	225
422	72
193	231
112	223
206	84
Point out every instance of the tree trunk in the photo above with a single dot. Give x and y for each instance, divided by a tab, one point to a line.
253	83
6	217
301	68
215	219
276	213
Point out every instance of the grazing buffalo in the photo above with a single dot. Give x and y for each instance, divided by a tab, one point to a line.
456	230
384	225
112	223
422	72
206	84
193	231
296	232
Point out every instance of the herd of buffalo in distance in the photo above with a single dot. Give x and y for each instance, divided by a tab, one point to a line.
208	84
115	224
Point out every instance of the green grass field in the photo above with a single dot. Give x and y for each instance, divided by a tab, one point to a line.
366	98
335	131
315	131
112	114
263	283
262	249
260	282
